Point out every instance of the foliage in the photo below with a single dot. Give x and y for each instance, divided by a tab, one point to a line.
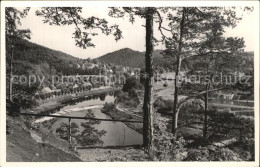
163	105
84	26
89	136
165	147
108	107
12	108
197	155
13	33
206	154
196	33
131	58
129	99
132	93
46	60
131	83
241	128
159	103
63	130
13	18
224	154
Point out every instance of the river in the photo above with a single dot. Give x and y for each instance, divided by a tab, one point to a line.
117	133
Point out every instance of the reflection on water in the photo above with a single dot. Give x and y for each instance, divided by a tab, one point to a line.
94	99
117	133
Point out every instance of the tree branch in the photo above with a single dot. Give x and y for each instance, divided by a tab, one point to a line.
195	96
205	54
160	27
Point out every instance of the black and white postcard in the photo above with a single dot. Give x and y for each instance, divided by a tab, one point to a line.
136	83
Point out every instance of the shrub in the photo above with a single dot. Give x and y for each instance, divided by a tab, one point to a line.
132	93
13	108
207	154
163	105
131	83
121	96
131	103
165	84
159	103
63	130
198	155
108	107
89	134
224	154
37	96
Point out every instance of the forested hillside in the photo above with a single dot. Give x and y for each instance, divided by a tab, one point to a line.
131	58
136	59
31	56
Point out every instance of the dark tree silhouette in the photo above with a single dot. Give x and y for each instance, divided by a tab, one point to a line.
147	13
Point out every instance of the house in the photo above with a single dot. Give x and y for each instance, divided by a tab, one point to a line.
46	90
88	65
78	66
87	84
75	86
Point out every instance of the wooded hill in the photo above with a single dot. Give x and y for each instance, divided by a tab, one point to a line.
32	57
131	58
136	59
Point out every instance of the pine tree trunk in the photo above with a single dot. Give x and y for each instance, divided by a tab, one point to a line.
205	124
175	122
10	76
149	79
176	90
175	102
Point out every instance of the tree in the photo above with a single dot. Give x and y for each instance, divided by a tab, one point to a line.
90	135
63	130
84	26
12	33
191	28
130	83
147	13
212	65
149	81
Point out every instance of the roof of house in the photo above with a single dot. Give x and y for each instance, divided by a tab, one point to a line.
46	90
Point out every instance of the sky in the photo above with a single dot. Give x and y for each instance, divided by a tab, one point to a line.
60	37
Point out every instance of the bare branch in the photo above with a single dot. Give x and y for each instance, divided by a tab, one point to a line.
160	27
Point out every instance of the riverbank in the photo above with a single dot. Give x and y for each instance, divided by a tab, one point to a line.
39	145
116	113
59	102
